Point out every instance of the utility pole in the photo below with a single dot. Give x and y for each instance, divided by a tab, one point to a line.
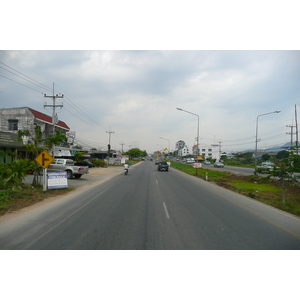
291	133
297	140
108	146
122	144
220	149
54	118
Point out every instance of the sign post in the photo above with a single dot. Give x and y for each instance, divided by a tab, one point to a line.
197	166
44	159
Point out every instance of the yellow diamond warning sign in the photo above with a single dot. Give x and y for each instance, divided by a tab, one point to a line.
44	159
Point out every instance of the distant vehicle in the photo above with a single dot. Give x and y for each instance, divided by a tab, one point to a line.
163	165
157	162
266	167
84	163
190	160
206	162
218	165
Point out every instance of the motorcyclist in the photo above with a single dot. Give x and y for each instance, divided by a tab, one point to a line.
126	166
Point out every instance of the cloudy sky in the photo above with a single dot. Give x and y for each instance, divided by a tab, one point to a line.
135	94
133	86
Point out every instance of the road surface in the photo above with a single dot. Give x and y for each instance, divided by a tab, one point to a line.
151	210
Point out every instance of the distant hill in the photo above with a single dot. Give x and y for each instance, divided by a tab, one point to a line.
271	149
283	147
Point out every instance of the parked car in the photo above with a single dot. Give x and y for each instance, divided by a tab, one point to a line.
67	165
84	163
218	165
163	166
206	163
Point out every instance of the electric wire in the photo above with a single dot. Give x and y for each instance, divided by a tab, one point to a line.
68	101
21	84
39	83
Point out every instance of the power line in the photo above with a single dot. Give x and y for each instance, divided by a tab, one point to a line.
21	84
25	65
39	83
69	101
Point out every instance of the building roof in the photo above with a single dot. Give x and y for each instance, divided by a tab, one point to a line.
48	119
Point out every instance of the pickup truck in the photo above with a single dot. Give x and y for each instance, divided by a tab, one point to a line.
67	165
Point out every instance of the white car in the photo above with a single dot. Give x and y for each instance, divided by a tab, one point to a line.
218	165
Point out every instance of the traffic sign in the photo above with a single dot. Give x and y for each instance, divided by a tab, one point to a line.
44	159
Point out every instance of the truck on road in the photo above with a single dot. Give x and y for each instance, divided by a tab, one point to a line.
67	165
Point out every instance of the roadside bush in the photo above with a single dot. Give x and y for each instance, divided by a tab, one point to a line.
15	171
98	162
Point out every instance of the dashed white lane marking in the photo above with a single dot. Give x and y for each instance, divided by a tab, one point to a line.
167	214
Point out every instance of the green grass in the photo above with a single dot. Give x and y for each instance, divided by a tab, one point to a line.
262	189
16	197
213	175
254	187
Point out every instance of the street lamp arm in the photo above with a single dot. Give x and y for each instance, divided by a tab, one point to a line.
188	112
273	112
256	139
197	149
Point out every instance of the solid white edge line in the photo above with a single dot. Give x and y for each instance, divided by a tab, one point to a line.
166	210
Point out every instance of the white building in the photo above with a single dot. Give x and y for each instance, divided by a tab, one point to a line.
207	151
182	152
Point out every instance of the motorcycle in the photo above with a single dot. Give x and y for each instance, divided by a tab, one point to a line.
125	171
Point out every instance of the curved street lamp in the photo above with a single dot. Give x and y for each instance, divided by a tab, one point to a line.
273	112
197	150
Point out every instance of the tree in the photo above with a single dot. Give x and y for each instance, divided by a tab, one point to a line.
134	153
36	144
284	169
282	154
265	157
78	155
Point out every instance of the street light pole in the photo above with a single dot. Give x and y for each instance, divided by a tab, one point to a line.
273	112
197	149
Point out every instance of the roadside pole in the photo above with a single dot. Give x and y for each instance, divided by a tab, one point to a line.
45	180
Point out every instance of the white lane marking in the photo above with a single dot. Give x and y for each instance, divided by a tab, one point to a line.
166	210
156	181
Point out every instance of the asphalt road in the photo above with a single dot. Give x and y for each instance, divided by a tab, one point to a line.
149	210
237	170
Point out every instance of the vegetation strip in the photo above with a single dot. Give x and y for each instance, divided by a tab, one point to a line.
265	189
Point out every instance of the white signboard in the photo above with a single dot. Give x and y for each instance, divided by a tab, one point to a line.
57	180
197	165
71	134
